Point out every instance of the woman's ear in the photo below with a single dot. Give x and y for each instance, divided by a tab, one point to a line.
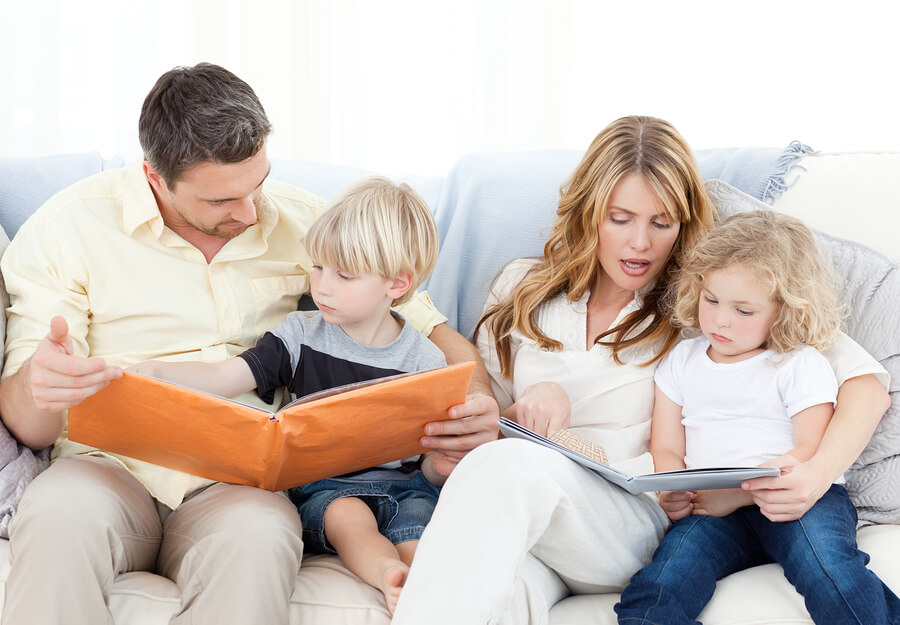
400	285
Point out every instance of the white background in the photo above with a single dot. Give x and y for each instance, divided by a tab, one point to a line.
409	86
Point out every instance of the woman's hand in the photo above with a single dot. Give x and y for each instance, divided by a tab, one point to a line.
788	496
543	408
677	504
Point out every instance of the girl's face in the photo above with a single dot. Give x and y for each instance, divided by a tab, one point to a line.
735	313
636	237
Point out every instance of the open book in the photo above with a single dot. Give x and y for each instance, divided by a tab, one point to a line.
574	446
325	434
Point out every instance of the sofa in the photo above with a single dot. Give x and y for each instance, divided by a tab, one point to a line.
493	207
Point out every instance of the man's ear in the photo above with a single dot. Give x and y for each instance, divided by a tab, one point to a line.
400	285
154	178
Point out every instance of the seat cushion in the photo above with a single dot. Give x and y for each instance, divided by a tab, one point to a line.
757	596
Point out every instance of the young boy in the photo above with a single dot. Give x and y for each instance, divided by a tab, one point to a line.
369	250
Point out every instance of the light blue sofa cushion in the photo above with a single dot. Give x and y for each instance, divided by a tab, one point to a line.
26	183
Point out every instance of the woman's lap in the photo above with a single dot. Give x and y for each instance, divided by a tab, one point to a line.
510	498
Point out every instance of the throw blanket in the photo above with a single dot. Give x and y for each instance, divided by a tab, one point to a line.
18	466
871	290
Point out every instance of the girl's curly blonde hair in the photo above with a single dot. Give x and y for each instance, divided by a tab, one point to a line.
782	254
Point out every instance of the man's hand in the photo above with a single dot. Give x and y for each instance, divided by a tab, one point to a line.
57	380
788	496
543	408
471	424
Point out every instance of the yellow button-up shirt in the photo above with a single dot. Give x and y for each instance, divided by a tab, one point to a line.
130	289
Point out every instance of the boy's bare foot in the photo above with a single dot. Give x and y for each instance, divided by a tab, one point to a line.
392	584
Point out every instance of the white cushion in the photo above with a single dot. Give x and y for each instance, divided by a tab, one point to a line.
757	596
854	195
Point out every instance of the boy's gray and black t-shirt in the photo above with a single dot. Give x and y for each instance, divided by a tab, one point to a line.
306	354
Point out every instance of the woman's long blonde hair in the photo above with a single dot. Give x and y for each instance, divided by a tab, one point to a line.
644	145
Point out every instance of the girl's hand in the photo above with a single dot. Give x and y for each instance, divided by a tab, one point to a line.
788	496
677	504
721	502
543	408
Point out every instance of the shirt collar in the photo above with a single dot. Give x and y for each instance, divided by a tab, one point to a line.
139	206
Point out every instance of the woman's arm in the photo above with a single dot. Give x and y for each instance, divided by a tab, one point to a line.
861	402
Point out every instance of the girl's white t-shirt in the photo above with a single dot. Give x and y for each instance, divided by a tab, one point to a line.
740	414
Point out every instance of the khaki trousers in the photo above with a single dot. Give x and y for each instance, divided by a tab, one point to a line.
233	551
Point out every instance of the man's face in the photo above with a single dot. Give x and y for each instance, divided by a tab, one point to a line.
216	199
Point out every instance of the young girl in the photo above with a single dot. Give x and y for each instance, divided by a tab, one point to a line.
370	249
752	387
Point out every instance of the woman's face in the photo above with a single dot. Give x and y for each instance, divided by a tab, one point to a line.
636	236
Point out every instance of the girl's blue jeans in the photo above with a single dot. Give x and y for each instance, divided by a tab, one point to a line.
818	553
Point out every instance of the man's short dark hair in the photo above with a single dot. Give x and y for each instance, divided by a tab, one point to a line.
200	114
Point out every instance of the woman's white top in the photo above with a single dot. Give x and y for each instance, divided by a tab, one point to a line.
611	403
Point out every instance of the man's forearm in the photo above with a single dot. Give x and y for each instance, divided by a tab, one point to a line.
30	425
457	349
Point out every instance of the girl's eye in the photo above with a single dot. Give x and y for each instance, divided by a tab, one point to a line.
619	221
745	313
710	300
662	225
317	267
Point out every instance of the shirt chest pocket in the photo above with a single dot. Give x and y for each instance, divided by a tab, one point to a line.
275	297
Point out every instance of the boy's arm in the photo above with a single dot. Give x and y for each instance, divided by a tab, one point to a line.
667	448
228	378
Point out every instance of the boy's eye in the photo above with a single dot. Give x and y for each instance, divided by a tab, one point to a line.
344	276
316	267
217	203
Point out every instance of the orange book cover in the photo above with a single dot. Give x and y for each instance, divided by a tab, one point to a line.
337	431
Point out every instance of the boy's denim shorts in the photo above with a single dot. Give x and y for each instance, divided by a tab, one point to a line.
401	508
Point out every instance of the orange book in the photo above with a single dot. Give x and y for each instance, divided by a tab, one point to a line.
326	434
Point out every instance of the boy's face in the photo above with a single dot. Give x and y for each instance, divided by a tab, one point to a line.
736	314
353	301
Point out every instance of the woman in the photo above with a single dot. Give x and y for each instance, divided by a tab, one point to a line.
571	341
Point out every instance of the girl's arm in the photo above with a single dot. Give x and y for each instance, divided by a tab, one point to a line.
227	378
667	448
809	427
861	402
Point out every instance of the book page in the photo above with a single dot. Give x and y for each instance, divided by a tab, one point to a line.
580	445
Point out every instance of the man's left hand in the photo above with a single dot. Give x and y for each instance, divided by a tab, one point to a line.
470	424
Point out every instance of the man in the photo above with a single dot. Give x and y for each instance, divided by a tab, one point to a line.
192	253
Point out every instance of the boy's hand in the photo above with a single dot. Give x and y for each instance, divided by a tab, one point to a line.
677	504
471	424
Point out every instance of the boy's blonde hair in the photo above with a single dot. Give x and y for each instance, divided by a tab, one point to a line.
781	253
378	227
